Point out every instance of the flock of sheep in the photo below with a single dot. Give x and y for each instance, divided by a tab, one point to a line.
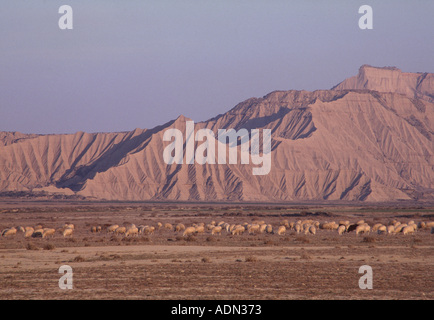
38	231
256	227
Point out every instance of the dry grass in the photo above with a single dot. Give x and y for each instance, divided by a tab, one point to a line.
49	246
251	259
31	246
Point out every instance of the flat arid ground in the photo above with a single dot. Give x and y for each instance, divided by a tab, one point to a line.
168	265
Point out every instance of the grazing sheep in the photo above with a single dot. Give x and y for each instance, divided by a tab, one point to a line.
254	228
285	223
9	232
216	230
130	226
341	229
189	231
95	229
112	228
120	230
67	232
141	228
363	228
344	222
70	226
200	229
305	227
168	226
309	222
148	230
269	228
381	230
298	228
399	228
281	230
20	229
179	227
390	229
238	230
134	231
227	227
351	227
48	232
407	230
312	230
429	224
28	233
159	225
376	226
262	228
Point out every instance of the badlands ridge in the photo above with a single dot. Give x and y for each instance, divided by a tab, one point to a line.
369	138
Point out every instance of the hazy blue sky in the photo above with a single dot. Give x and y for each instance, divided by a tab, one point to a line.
129	64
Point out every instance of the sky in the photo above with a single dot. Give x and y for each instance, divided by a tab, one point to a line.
138	64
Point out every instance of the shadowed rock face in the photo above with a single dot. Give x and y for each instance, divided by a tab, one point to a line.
370	138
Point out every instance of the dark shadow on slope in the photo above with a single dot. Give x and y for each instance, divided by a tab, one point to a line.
75	177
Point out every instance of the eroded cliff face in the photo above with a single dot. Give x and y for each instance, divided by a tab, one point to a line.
370	138
392	80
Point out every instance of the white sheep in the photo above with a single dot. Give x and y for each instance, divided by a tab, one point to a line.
390	229
189	231
112	228
134	231
312	229
216	230
148	230
376	226
29	231
120	230
281	230
48	232
179	227
200	229
363	228
9	232
381	230
67	232
238	230
429	224
298	227
341	229
254	228
407	230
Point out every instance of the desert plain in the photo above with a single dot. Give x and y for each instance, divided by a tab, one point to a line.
166	265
